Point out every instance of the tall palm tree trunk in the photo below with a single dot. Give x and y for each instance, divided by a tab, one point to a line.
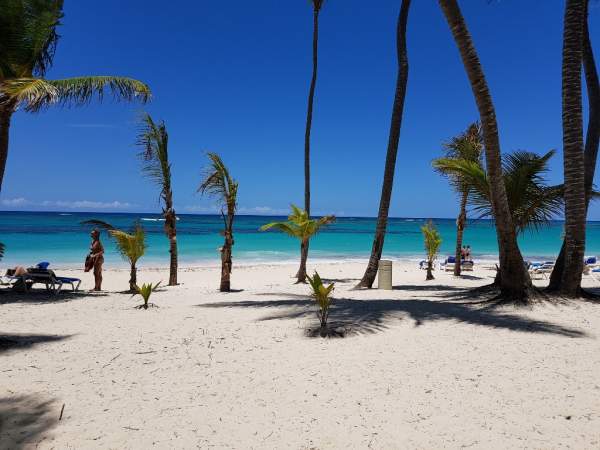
226	251
301	275
573	160
173	260
590	154
309	116
460	229
171	232
513	278
392	150
6	112
133	278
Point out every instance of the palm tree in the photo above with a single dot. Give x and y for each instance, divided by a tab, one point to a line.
573	161
28	40
466	146
218	183
317	5
130	244
532	202
392	149
590	153
433	241
302	227
153	140
513	279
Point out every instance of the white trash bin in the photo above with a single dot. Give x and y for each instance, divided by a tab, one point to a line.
384	275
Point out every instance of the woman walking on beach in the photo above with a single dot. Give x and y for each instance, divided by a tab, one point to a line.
95	259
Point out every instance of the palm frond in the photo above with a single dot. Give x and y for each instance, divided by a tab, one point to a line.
28	36
99	223
75	91
217	182
153	141
26	91
299	225
287	228
2	249
131	246
467	146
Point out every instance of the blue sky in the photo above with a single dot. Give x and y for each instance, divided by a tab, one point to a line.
232	77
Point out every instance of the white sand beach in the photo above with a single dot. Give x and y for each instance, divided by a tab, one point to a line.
419	367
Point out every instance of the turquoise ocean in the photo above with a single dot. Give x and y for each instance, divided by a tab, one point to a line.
60	238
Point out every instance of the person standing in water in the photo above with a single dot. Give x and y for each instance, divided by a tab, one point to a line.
95	259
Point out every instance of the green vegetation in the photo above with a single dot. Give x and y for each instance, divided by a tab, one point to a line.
465	147
28	41
322	295
154	142
218	183
532	203
433	241
130	244
146	291
303	228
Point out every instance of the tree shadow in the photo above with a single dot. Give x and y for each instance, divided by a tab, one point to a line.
24	420
473	277
10	342
39	296
340	280
372	316
426	287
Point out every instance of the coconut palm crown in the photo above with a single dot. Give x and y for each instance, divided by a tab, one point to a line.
28	40
532	202
302	227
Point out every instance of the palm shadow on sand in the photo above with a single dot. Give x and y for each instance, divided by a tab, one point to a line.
24	421
13	342
39	296
372	316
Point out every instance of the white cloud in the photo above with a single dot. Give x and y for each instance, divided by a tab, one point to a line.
262	211
20	201
86	204
253	210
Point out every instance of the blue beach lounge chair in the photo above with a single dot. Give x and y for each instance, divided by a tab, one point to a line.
40	274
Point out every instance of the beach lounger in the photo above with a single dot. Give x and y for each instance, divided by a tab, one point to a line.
42	275
449	263
467	265
541	270
590	263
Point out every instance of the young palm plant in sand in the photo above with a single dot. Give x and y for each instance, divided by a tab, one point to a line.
531	201
145	291
154	140
218	183
433	241
303	228
322	295
465	147
28	40
130	244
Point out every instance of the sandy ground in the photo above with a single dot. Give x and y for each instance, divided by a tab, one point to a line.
419	368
